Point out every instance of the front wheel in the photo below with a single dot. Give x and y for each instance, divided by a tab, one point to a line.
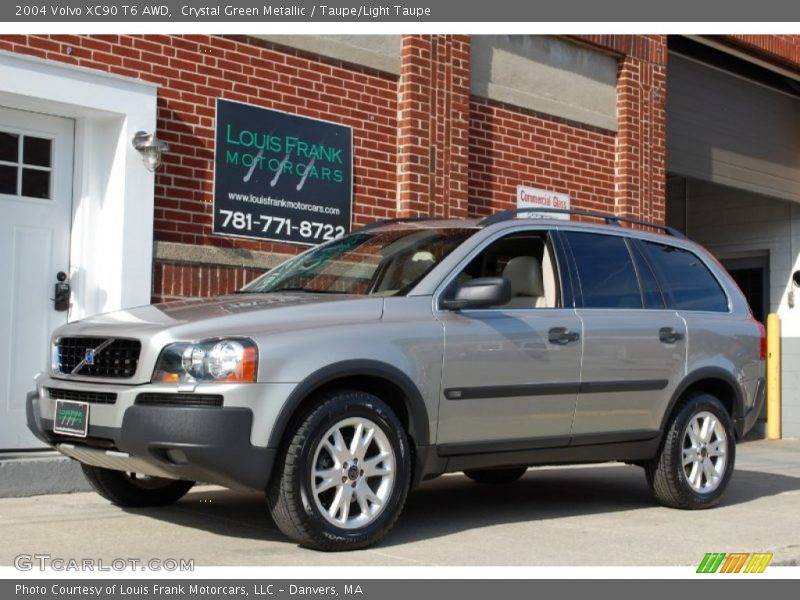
344	474
135	489
697	457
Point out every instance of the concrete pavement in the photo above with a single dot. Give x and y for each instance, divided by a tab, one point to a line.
588	515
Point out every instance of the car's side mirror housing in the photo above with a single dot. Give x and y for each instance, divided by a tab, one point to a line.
482	292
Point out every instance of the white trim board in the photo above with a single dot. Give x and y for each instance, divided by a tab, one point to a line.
113	194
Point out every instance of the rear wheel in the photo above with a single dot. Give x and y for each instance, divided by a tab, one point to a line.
496	476
344	474
135	489
697	457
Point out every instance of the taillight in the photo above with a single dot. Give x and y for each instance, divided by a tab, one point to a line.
763	333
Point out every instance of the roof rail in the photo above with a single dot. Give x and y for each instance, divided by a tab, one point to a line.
507	215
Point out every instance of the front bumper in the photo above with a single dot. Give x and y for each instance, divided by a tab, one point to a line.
210	444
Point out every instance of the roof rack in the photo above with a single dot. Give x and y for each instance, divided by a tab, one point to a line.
507	215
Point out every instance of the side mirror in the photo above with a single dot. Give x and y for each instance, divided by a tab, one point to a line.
483	292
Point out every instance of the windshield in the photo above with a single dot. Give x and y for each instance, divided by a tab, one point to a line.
380	263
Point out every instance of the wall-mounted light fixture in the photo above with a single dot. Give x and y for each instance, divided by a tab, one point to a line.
151	148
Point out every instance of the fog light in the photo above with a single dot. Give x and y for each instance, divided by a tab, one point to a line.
177	457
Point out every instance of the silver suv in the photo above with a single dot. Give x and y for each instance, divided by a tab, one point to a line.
339	380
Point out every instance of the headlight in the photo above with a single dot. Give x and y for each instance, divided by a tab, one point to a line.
225	361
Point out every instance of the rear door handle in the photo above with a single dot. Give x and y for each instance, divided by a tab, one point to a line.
668	335
562	335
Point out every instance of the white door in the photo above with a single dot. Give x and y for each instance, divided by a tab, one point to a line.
35	215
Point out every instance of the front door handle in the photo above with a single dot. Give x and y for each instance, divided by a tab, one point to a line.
562	335
668	335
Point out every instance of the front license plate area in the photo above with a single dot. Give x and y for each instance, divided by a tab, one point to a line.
71	418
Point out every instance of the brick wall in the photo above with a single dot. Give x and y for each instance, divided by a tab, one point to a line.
192	72
509	146
433	126
782	49
422	144
621	173
174	280
640	184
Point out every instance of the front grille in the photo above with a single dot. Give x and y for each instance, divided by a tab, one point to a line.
109	357
81	396
191	400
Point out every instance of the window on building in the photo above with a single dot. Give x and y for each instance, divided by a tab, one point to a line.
25	165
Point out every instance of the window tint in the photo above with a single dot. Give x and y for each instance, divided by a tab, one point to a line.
688	282
605	271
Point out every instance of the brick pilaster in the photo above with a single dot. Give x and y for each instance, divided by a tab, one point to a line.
433	126
639	182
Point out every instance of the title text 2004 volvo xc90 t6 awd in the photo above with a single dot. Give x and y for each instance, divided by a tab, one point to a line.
343	377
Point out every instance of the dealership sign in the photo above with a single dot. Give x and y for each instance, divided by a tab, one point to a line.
528	197
279	176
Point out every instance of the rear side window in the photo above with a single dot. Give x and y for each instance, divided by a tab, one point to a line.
688	284
605	271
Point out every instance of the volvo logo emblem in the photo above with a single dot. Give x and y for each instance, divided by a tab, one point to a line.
88	357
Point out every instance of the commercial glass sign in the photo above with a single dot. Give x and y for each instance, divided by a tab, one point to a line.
281	177
530	197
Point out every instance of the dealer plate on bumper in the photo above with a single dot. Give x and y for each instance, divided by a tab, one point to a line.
71	418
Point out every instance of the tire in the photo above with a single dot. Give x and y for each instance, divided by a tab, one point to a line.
496	476
319	496
697	456
131	489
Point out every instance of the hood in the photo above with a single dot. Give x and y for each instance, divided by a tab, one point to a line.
240	314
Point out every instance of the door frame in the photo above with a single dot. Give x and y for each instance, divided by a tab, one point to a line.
111	245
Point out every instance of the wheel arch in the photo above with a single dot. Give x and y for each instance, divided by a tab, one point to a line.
374	377
717	382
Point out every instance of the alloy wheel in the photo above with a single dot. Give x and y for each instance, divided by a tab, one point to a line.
353	473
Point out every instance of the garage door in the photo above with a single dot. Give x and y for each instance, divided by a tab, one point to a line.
732	131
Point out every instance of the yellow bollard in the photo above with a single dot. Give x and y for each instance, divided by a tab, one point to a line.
773	377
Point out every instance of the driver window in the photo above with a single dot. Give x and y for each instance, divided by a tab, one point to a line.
526	260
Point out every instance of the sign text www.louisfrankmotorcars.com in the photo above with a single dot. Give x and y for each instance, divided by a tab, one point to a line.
279	176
